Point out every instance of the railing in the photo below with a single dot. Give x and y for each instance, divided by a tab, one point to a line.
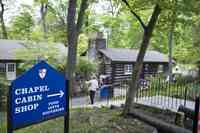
159	92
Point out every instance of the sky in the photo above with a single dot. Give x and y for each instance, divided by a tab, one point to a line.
14	8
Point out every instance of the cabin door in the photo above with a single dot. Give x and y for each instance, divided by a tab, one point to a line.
11	71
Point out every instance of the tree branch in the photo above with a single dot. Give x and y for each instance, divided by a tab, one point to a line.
2	7
154	17
71	25
84	6
137	16
57	14
112	7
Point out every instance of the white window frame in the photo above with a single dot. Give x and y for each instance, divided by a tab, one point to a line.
160	68
128	69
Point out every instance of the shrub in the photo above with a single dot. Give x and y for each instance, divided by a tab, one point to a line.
85	68
3	92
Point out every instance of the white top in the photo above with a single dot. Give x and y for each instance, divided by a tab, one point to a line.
93	84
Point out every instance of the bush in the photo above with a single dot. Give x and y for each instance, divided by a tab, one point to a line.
23	67
186	79
85	68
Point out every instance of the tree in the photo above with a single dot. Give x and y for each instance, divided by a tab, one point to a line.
53	20
43	12
74	29
59	8
184	11
22	26
3	27
56	21
148	30
40	50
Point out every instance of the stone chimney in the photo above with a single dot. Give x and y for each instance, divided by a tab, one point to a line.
96	42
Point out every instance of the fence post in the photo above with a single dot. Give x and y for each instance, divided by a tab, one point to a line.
185	97
195	119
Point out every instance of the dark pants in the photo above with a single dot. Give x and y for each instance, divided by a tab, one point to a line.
92	95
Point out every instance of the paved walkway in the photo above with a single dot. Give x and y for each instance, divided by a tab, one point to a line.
155	101
164	102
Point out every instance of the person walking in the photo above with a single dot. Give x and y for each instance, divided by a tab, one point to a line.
92	87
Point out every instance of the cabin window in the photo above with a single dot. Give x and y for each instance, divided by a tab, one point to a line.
2	67
160	68
128	68
11	67
146	67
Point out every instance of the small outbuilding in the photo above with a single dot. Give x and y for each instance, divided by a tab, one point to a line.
8	58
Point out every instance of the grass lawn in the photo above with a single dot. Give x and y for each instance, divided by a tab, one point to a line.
2	122
98	120
101	120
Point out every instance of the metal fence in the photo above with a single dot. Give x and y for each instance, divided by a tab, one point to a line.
158	92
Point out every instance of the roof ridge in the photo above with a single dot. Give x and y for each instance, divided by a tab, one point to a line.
135	49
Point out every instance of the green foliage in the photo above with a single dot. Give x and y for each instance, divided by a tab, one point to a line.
121	27
122	31
125	31
3	92
83	43
21	26
37	34
85	67
56	21
41	1
34	51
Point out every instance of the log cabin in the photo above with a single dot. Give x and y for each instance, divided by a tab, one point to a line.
118	63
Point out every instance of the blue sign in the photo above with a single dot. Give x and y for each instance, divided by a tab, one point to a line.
38	95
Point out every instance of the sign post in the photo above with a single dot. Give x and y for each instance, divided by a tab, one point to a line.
38	95
196	121
9	117
66	118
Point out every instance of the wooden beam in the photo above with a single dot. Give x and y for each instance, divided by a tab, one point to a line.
187	111
160	125
113	72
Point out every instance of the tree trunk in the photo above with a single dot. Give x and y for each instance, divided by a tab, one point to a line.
72	37
43	12
3	27
73	33
198	67
139	63
171	35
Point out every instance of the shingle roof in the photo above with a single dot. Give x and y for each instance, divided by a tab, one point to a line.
130	55
8	48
